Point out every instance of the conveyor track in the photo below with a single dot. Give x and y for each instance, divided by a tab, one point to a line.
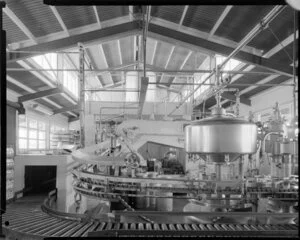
28	221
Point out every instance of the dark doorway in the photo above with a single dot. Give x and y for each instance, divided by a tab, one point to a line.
39	179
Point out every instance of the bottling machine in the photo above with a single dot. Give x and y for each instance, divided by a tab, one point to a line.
218	176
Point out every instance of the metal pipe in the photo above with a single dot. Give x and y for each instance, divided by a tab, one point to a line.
81	94
233	84
42	52
258	28
294	66
132	70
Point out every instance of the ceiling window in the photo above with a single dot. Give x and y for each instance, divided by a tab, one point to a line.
132	83
44	63
69	78
151	95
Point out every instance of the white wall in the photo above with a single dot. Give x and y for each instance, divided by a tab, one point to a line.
264	102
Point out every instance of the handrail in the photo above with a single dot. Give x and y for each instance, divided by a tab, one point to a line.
46	207
201	214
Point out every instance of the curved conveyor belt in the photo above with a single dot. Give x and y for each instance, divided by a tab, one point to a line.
28	221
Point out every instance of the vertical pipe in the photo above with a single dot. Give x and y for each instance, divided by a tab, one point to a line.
81	94
294	66
2	118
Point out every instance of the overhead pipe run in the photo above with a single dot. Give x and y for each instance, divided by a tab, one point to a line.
253	33
132	70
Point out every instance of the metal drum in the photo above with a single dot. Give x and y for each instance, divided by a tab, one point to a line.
221	134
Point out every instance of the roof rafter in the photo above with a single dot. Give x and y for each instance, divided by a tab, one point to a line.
65	109
19	23
97	15
59	19
221	49
167	62
87	38
220	20
280	45
28	89
182	65
202	35
40	94
154	52
74	31
183	16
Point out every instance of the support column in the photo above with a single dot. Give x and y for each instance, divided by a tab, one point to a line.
81	94
2	118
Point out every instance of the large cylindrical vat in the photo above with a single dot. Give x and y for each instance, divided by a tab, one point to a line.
221	134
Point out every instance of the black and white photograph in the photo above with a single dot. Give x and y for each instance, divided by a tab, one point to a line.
149	119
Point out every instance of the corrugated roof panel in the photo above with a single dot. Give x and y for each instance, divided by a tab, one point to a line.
285	55
203	17
15	88
150	50
111	52
13	32
45	103
282	26
240	20
77	16
36	16
257	90
162	54
194	61
251	78
26	77
110	12
170	13
60	100
96	56
126	45
178	58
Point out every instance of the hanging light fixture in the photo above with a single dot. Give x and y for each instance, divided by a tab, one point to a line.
294	4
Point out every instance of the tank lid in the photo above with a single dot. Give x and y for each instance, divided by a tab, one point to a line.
218	115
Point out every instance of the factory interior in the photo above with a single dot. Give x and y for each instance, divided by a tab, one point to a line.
149	120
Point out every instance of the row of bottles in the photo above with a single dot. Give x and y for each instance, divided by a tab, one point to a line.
9	172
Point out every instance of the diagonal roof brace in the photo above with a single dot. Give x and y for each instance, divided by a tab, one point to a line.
178	36
41	94
99	36
18	106
73	119
65	109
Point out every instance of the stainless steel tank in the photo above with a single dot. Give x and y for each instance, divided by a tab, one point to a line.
221	134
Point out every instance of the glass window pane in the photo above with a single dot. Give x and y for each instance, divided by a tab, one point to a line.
32	144
42	126
23	143
22	121
32	123
42	145
42	135
22	132
32	134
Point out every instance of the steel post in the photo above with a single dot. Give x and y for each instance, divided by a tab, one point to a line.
81	94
